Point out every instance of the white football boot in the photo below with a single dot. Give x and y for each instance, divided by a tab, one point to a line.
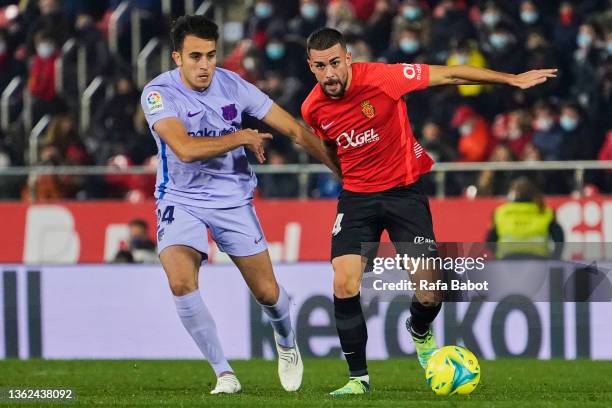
227	384
290	366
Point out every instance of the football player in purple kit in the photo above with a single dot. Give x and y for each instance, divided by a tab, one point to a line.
204	181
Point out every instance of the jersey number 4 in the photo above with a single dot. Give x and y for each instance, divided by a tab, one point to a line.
337	227
168	215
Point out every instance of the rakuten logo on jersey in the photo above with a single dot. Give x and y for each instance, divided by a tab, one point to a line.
352	139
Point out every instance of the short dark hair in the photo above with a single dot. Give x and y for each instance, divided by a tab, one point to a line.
138	222
324	38
198	26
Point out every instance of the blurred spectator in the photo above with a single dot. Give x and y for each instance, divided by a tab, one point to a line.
263	23
41	80
412	14
47	187
278	185
531	19
113	124
580	140
364	8
503	53
565	31
513	129
466	53
586	59
532	154
282	56
9	66
450	22
62	135
285	92
341	16
312	16
407	48
474	134
139	248
96	47
246	60
143	145
494	183
119	185
548	136
438	148
524	225
359	49
491	16
378	26
52	20
541	55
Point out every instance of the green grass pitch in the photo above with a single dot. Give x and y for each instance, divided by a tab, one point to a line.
397	382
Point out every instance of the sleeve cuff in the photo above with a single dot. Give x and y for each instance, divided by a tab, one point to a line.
263	110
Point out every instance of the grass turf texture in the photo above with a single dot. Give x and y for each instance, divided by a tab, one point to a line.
396	382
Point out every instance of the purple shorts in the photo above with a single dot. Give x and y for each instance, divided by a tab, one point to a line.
236	230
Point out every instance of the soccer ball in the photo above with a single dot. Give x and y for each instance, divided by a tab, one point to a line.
452	370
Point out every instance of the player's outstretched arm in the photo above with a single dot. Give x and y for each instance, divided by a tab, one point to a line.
468	75
282	121
189	149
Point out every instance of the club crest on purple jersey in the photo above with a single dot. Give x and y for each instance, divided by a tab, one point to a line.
229	111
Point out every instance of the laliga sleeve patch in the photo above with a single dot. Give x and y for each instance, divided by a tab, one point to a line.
154	102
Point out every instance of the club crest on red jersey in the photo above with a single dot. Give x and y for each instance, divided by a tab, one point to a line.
367	109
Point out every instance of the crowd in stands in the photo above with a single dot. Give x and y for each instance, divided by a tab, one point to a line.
569	118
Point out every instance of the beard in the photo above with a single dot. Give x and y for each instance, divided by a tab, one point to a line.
341	88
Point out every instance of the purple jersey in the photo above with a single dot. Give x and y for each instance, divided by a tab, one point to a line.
224	181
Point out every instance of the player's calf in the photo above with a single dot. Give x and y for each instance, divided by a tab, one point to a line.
418	324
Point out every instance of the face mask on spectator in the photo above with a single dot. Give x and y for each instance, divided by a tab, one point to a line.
544	124
490	18
309	11
275	51
461	58
529	17
498	41
568	123
584	40
263	10
2	47
249	63
466	129
45	49
409	45
411	12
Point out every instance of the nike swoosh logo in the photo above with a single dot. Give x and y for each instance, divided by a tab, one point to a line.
191	115
325	127
257	241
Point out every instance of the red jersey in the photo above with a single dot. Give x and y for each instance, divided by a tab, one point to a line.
370	126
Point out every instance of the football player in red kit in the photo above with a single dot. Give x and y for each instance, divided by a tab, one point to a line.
358	111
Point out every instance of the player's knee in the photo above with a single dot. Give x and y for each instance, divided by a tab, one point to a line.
266	294
429	299
181	287
344	286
